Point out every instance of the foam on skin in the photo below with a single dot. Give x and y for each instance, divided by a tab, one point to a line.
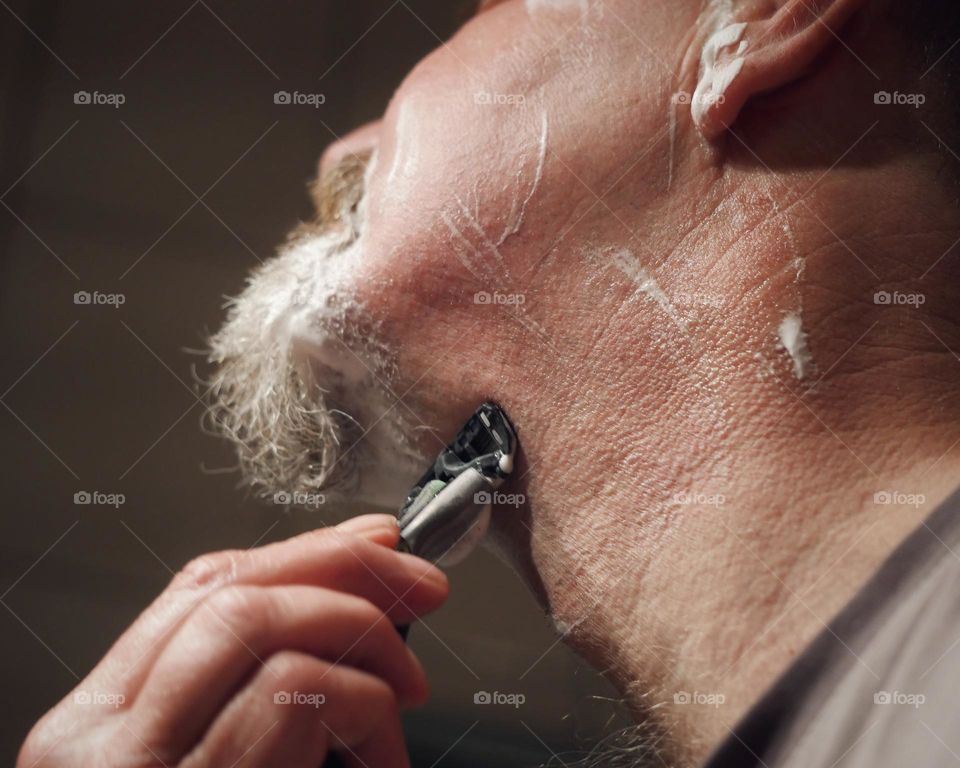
794	340
647	284
714	80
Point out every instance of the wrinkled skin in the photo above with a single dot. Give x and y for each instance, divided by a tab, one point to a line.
618	408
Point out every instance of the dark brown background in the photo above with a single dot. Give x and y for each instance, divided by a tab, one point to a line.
98	398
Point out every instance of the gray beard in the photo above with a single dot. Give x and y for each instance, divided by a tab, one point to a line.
300	384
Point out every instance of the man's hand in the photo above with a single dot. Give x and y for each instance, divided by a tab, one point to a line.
263	658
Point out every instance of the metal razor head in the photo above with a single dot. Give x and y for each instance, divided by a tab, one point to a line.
447	512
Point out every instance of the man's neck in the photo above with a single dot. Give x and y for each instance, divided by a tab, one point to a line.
702	506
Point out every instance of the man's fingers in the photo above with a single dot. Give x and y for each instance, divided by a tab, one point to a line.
357	556
330	557
296	713
238	627
381	529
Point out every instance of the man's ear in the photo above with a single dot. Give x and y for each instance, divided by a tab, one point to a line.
776	44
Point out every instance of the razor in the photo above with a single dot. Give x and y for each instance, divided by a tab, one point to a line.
447	512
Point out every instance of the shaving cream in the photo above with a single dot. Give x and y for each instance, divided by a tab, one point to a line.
794	340
714	80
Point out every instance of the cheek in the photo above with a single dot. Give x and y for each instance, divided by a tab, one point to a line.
455	208
464	157
455	178
495	149
480	173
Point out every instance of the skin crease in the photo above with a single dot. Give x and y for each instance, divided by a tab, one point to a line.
618	409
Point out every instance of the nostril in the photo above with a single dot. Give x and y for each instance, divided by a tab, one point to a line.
360	141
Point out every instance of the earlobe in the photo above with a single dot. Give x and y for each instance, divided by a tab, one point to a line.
744	58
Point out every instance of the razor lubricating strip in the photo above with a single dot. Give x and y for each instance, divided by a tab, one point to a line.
448	511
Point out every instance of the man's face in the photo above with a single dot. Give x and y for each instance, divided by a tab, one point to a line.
480	208
542	226
484	187
510	194
486	183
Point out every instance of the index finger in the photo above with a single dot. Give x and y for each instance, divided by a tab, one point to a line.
355	557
